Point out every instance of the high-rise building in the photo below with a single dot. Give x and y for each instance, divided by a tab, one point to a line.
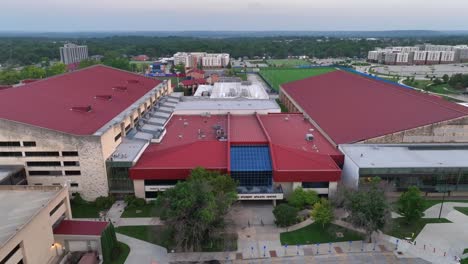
72	53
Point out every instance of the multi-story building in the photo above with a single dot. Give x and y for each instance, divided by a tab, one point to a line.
195	59
402	58
419	57
68	125
390	58
447	57
433	57
29	214
71	53
37	227
461	53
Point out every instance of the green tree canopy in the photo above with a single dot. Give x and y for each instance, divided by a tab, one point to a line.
87	63
411	204
301	198
322	212
196	207
119	63
368	208
9	77
285	215
180	68
32	72
57	68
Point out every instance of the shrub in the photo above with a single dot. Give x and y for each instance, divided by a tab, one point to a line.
285	215
78	199
103	202
138	202
302	199
129	198
322	212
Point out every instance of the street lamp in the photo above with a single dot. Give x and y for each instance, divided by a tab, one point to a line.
443	198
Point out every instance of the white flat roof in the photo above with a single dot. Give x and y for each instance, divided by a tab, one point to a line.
19	204
407	156
234	90
226	104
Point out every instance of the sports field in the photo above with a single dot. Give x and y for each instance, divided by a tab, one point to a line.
287	63
276	77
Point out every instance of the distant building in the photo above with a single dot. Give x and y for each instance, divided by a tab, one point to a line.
195	59
72	53
419	55
141	58
196	74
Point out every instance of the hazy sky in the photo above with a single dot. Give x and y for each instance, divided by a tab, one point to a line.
90	15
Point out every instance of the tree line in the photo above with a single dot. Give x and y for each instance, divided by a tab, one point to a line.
30	50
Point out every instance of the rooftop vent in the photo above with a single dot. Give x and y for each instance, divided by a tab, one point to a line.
309	137
105	97
120	88
83	109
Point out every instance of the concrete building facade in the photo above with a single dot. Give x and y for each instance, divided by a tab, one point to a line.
203	59
29	214
58	143
72	53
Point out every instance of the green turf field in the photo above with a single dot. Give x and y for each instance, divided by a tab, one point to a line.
276	77
287	62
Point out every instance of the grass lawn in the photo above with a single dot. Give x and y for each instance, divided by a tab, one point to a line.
124	250
288	62
428	85
463	210
162	235
314	233
276	77
148	210
401	230
87	210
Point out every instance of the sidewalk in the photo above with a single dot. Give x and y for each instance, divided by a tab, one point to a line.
143	252
115	215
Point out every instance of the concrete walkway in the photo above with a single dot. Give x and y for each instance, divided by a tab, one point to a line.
439	243
142	252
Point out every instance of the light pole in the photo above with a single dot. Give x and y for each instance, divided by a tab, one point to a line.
443	198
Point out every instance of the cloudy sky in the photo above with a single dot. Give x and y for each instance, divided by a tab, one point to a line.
157	15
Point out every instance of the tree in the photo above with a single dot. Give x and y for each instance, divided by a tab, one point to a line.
437	81
180	68
87	63
32	72
119	63
57	68
323	212
301	198
445	78
411	204
9	77
196	207
368	208
285	215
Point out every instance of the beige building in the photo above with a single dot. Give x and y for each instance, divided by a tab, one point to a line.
29	215
68	135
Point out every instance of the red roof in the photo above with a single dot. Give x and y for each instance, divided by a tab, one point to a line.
191	141
47	103
196	71
246	129
80	228
351	108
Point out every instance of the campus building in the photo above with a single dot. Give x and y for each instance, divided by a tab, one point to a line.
206	60
64	128
71	53
365	118
419	55
37	227
268	154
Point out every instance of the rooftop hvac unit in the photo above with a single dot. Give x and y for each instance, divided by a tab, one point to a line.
309	137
